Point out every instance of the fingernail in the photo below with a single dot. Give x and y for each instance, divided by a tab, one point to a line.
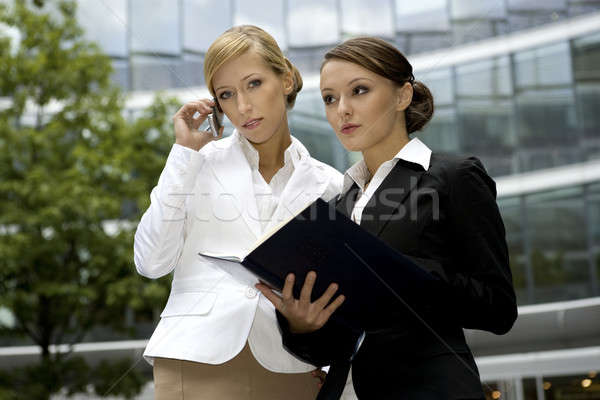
196	115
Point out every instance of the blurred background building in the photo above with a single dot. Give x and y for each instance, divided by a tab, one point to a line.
516	83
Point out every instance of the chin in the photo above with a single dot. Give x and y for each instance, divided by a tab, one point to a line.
256	137
349	144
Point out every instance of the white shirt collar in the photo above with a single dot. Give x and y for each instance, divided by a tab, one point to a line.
414	151
292	154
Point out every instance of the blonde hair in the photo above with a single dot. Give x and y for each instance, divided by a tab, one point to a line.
239	39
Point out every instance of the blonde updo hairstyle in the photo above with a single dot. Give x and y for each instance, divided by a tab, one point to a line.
236	41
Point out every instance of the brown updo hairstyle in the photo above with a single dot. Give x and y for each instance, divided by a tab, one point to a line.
382	58
237	40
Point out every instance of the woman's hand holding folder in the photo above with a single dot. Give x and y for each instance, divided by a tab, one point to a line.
303	315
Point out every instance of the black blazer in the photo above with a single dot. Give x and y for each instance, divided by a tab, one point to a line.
447	220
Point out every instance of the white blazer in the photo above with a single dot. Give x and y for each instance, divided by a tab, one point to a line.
204	202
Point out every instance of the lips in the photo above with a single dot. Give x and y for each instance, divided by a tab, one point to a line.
349	128
252	123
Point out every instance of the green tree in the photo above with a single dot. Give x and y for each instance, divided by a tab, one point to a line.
71	169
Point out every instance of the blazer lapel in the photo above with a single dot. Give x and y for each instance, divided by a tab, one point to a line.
387	203
346	201
234	182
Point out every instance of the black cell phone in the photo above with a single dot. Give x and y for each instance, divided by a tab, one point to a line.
215	120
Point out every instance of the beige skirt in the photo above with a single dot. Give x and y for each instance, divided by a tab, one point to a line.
239	378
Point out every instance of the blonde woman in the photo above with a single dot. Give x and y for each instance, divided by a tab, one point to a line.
218	336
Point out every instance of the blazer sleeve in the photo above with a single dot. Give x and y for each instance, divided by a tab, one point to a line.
159	237
332	343
480	291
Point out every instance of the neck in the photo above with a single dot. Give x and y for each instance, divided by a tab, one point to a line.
271	152
384	150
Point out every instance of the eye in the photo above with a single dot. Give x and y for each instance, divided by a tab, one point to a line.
225	95
255	83
328	99
360	89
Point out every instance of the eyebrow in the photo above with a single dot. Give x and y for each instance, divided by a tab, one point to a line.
351	82
241	80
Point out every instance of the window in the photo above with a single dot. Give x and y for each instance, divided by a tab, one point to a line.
105	22
374	17
155	26
323	28
422	16
203	22
267	14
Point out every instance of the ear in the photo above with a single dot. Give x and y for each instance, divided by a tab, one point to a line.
288	83
404	96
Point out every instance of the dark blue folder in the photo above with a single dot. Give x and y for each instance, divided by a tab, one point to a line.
376	280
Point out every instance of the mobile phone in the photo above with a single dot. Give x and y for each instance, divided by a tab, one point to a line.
215	120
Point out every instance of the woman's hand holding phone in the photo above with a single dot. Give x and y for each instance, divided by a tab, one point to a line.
188	119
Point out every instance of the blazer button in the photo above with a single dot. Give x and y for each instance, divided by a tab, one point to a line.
251	292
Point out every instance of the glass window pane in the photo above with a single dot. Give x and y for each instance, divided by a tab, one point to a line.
323	28
510	209
157	73
105	22
203	22
529	389
586	65
546	66
192	70
558	237
486	9
546	120
472	30
422	16
307	59
120	74
485	78
586	58
267	14
588	104
556	220
414	43
594	213
155	26
486	128
526	20
529	5
440	133
440	83
374	17
309	103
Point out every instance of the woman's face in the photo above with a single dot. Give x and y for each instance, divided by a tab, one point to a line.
362	107
252	96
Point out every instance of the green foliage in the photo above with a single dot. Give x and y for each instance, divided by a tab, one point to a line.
66	176
73	375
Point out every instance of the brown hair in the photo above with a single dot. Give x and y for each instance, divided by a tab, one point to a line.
382	58
237	40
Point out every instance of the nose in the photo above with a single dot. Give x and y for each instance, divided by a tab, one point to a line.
344	108
243	104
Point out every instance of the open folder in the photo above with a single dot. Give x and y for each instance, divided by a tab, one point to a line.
375	279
